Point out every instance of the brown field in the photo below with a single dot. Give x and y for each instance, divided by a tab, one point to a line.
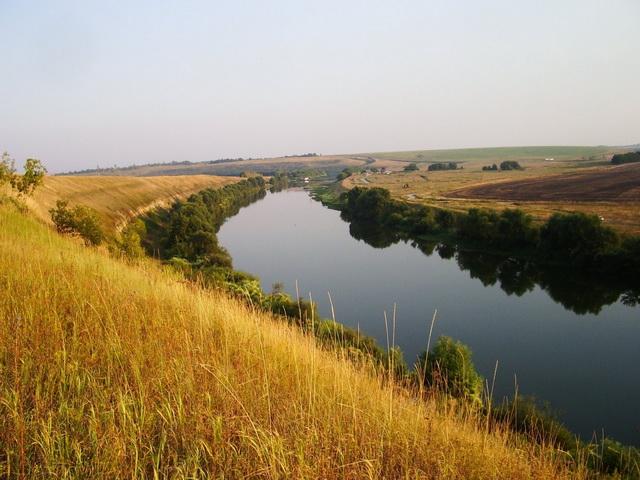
568	183
118	199
604	184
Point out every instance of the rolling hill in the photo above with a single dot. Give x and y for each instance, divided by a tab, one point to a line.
117	198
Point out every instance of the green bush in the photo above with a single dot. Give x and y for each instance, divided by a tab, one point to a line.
130	241
412	167
448	366
79	220
526	415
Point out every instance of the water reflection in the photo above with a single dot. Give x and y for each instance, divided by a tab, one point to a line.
576	290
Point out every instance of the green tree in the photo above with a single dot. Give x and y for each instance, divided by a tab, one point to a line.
515	229
510	165
32	177
576	237
412	167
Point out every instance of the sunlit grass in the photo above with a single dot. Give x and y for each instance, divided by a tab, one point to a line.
114	370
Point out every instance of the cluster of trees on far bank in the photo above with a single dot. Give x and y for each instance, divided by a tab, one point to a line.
442	166
621	158
575	238
504	166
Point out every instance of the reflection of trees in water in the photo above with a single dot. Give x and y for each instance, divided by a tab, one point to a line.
575	290
373	235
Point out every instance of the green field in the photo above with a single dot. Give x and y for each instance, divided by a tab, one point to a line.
498	154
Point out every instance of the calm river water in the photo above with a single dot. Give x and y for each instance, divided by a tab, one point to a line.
565	340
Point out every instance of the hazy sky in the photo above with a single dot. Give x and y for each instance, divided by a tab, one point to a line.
96	82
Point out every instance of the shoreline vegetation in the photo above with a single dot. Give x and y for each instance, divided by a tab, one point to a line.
184	237
575	240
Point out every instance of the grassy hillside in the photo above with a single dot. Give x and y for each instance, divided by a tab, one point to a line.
117	199
114	370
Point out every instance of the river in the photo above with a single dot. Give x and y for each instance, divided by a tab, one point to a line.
565	340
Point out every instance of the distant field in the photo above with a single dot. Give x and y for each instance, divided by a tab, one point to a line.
117	199
585	165
332	164
498	154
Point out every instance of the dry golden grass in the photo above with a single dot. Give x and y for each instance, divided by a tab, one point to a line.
113	370
433	189
118	199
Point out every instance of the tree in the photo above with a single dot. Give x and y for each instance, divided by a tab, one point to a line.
479	224
32	177
442	166
448	365
26	183
7	169
369	203
629	157
130	241
576	237
515	229
510	165
412	167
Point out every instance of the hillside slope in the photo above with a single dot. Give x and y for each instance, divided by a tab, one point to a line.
117	199
110	370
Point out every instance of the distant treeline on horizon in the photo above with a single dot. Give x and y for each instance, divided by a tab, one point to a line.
176	163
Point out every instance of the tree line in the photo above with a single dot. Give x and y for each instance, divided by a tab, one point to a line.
622	158
575	239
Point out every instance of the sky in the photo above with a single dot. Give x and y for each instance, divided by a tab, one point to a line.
91	83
